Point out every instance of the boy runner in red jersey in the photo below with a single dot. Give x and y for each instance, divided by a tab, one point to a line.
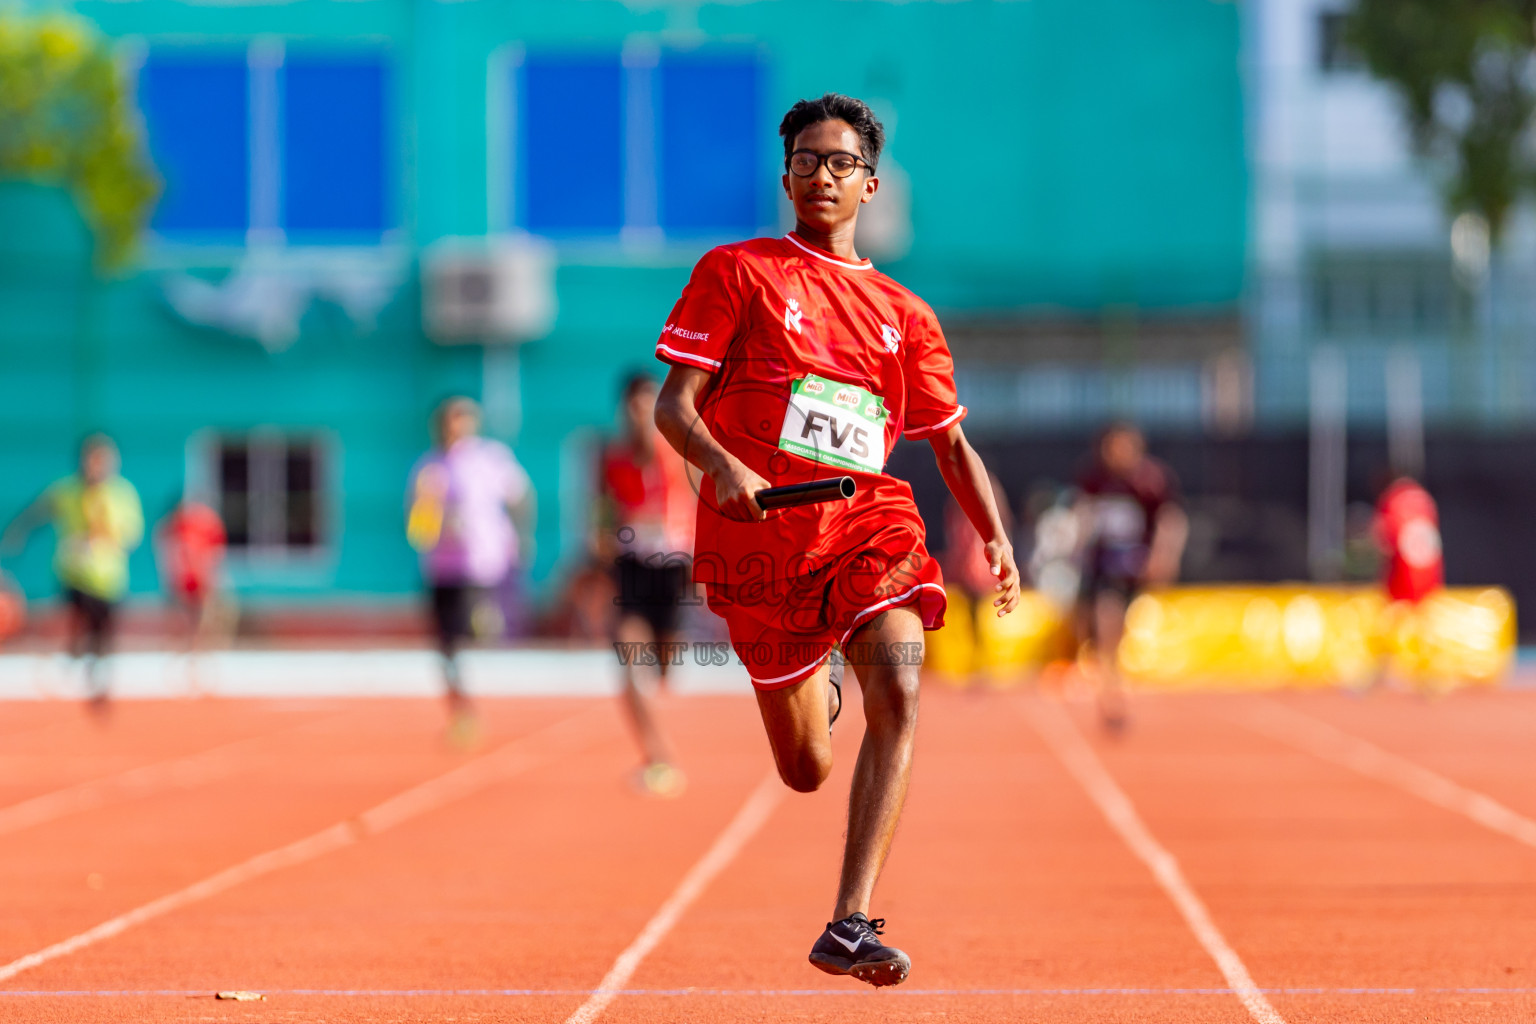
1408	531
192	543
645	531
793	360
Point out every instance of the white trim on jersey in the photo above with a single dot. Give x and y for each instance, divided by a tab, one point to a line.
788	676
712	364
918	433
865	615
824	256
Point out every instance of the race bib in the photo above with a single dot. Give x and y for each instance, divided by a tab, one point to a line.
835	424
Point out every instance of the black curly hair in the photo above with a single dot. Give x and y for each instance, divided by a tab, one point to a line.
834	106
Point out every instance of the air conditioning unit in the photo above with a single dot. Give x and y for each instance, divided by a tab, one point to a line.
488	290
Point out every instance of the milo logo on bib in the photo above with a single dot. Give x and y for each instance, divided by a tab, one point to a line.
835	424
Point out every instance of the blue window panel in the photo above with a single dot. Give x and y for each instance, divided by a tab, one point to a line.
571	149
710	166
334	163
196	111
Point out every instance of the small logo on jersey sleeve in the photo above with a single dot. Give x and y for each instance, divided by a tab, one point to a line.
890	337
792	315
681	333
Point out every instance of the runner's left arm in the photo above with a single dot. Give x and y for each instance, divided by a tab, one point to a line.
130	517
1170	531
967	479
1169	534
522	504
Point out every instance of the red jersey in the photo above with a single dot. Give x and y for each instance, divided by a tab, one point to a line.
194	541
651	501
1408	530
818	366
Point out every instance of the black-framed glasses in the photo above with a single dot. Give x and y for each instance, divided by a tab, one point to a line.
805	162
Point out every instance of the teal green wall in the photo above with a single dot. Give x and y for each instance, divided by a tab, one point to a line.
1063	154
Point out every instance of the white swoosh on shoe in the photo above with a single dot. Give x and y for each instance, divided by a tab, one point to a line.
849	946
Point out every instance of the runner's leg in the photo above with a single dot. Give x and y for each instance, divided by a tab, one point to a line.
1108	628
635	632
99	614
889	682
452	606
76	636
796	719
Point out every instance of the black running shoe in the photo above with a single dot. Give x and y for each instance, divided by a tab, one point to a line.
851	946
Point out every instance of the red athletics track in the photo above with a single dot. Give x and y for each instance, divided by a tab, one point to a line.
508	888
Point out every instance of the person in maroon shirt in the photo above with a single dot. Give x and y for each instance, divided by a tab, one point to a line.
1132	532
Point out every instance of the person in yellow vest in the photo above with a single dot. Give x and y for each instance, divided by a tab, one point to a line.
98	520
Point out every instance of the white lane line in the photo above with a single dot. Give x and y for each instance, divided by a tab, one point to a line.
1062	737
764	993
184	772
753	813
1332	744
509	759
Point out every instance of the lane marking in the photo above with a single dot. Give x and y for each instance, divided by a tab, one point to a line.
185	772
1329	743
32	727
511	758
759	805
902	992
1074	753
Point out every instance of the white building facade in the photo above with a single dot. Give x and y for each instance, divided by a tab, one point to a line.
1354	269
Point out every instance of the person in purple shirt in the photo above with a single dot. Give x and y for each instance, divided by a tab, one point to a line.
470	515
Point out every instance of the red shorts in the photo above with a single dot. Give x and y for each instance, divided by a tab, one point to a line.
782	629
192	588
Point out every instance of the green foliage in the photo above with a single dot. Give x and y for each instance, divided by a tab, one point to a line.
65	119
1466	73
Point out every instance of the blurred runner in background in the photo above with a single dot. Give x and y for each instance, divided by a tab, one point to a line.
644	530
191	542
1053	555
98	520
1132	530
1408	530
13	607
470	514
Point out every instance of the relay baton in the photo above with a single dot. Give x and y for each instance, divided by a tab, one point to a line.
811	492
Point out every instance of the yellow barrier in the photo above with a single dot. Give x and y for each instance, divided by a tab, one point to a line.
975	643
1250	637
1316	636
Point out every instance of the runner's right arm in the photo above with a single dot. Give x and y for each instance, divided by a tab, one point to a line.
678	419
31	518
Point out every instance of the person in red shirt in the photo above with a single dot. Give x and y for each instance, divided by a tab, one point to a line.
645	532
191	547
792	359
1408	531
1132	531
